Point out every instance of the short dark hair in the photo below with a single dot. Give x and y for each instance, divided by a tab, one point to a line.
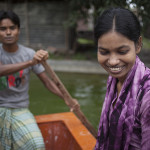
121	20
10	15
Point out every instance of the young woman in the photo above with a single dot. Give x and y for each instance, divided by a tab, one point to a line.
125	117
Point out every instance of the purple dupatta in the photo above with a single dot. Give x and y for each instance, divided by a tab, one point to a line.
115	134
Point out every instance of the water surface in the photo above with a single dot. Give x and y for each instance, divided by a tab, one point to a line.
88	89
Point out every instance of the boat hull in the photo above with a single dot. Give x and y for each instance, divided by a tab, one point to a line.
64	131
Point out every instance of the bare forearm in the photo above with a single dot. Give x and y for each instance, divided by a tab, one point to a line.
49	84
12	68
53	88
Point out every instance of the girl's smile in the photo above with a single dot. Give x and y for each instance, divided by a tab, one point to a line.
116	70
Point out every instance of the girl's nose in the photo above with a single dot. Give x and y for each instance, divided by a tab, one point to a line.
113	60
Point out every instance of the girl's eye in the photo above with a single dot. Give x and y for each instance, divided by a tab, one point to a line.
123	52
103	52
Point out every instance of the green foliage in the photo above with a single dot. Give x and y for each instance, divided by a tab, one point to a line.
79	9
143	11
101	5
85	41
146	44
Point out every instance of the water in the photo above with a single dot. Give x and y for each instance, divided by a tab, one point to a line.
88	89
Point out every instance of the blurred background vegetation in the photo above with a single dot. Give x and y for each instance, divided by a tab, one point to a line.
80	8
65	27
91	9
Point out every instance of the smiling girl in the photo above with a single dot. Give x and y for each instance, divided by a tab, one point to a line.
125	117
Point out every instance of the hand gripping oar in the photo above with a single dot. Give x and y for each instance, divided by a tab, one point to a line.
72	103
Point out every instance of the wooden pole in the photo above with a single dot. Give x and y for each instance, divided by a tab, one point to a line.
72	103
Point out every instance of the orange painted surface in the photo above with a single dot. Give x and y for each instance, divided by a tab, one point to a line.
64	131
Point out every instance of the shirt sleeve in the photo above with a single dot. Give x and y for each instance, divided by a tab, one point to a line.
38	68
145	122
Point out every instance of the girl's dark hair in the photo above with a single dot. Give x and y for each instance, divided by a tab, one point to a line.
120	20
10	15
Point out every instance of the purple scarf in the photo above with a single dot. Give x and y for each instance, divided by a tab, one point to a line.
119	128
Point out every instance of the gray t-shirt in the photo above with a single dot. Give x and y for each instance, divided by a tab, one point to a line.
14	88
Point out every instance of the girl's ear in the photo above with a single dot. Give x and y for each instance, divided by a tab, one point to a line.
139	45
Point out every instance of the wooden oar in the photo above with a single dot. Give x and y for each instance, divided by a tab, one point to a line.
72	103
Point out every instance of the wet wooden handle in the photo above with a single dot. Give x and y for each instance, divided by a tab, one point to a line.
72	103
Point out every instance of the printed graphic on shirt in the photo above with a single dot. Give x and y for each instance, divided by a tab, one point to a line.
13	80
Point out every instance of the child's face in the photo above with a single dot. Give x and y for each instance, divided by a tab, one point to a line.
116	54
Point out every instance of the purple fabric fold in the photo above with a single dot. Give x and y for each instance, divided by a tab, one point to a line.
115	132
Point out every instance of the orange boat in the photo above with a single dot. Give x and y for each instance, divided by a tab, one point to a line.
64	131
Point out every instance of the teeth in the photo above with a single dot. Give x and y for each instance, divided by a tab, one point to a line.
115	69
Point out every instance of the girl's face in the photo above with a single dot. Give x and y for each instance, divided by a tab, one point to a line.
117	54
